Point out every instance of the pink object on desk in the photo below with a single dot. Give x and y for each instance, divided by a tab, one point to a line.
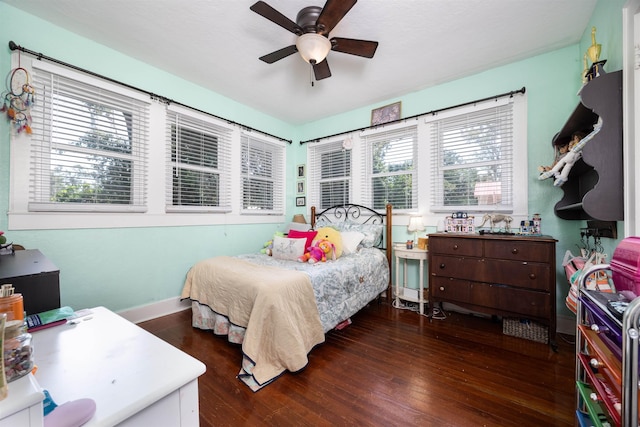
48	325
71	414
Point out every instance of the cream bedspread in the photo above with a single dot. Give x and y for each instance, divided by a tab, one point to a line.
276	306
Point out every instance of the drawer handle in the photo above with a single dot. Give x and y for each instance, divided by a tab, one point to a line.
598	329
442	266
455	247
514	251
594	397
595	363
532	276
442	288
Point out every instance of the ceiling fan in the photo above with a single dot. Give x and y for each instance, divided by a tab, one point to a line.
313	25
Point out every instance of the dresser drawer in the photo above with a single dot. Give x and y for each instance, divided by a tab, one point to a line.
449	289
457	267
506	299
530	275
518	250
495	297
455	246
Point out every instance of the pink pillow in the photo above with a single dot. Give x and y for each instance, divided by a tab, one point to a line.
309	235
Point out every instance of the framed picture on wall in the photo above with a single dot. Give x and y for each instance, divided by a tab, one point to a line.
300	187
301	201
301	171
386	114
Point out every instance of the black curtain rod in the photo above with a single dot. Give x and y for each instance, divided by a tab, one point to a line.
40	56
433	112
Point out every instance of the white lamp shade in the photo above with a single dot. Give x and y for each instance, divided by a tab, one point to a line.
313	47
415	224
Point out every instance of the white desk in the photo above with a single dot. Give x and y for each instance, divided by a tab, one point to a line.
406	254
23	405
134	377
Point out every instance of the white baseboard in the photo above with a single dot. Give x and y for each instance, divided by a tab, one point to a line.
154	310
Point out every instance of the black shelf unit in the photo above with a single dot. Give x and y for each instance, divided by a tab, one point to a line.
594	189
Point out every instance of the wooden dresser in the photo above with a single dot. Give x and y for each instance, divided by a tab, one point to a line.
510	276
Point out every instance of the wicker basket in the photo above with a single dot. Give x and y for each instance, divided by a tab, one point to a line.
525	328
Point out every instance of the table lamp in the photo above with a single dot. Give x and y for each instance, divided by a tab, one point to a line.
415	225
299	218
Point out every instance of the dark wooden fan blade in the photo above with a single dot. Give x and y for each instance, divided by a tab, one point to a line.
263	9
321	70
279	54
332	12
363	48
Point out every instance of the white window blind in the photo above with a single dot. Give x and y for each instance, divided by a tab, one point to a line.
262	171
389	169
329	174
199	163
472	159
88	148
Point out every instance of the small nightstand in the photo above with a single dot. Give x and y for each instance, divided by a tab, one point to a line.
407	254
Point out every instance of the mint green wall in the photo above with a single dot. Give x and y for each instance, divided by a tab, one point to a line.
124	268
552	81
127	267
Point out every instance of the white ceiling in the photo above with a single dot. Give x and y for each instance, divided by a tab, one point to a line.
422	43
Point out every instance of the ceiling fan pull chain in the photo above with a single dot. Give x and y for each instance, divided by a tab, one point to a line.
311	73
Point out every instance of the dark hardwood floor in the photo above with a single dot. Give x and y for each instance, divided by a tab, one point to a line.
390	367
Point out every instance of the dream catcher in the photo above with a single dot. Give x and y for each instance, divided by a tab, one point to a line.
18	98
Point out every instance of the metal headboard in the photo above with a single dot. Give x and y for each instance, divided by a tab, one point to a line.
362	215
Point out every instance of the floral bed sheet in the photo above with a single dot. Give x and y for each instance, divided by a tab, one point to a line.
341	288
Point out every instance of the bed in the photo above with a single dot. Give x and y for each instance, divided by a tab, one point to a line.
279	309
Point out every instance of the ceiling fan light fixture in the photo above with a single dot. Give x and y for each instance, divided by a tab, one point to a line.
313	47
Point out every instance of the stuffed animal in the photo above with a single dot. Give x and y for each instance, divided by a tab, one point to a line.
333	236
268	246
317	252
326	244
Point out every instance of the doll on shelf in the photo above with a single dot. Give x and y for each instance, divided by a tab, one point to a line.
561	170
560	151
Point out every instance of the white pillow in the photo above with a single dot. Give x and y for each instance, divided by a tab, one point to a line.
289	249
350	241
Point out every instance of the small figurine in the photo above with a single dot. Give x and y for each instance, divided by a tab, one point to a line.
594	55
495	219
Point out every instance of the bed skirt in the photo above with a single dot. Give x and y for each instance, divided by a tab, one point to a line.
205	318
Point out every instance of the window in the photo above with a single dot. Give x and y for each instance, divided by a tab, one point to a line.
472	160
262	172
329	174
89	145
199	163
390	172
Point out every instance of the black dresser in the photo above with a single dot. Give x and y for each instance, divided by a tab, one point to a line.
33	276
